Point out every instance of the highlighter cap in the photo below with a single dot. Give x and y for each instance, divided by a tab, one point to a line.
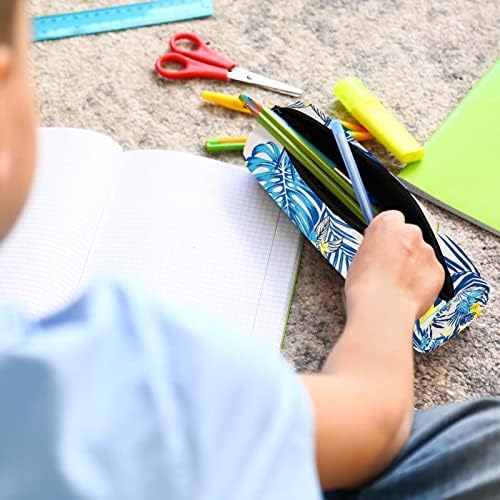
351	92
377	119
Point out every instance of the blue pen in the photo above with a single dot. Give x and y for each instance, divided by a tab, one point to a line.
352	169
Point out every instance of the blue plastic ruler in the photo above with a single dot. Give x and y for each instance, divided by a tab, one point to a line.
120	17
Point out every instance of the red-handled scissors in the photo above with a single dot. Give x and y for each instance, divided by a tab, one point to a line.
201	62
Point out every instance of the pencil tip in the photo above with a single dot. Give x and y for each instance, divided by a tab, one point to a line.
252	104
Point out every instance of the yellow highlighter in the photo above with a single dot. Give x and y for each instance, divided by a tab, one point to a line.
371	113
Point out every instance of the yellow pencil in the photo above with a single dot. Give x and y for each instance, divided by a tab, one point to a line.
353	126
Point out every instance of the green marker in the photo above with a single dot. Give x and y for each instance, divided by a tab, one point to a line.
225	144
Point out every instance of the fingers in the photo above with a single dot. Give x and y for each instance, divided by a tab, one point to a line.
408	238
394	264
436	271
388	218
414	234
394	221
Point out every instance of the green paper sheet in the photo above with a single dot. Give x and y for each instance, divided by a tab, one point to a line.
461	167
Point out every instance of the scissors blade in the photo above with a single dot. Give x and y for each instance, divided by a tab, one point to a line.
245	76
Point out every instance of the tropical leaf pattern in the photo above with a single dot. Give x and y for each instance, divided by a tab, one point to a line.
338	241
274	170
447	319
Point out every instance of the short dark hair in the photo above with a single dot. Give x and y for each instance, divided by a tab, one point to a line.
7	20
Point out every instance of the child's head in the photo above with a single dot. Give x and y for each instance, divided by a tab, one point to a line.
17	113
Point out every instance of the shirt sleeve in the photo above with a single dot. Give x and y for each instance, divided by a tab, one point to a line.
121	397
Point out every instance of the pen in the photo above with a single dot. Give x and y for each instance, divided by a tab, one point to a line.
352	169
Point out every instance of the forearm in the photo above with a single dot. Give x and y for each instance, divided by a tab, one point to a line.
377	347
363	400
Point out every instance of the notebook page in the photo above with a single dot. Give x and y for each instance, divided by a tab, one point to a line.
42	260
202	234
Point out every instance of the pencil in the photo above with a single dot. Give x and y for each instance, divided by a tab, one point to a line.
352	169
360	136
311	158
356	127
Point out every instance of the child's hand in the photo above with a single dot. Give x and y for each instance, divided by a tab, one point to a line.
393	267
363	400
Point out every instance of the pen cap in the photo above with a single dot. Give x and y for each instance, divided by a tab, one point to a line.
379	121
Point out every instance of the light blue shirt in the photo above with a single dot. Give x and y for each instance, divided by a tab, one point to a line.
120	397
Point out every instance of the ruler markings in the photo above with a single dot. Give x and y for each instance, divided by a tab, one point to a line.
119	17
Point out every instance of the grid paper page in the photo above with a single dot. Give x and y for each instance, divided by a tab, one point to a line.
202	234
42	260
279	282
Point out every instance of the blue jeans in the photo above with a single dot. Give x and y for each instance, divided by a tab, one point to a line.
453	452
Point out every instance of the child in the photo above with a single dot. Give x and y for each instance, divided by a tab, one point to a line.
119	397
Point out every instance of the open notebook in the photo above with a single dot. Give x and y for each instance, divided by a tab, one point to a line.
194	231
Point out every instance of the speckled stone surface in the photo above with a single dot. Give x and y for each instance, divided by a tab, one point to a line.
420	58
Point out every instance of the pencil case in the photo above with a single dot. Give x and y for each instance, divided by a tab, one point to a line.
335	232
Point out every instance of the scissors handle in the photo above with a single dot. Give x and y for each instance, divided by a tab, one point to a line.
200	52
190	68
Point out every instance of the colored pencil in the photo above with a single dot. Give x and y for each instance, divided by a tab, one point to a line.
301	143
353	126
310	157
360	136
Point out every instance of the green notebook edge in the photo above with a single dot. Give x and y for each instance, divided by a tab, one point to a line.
447	183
